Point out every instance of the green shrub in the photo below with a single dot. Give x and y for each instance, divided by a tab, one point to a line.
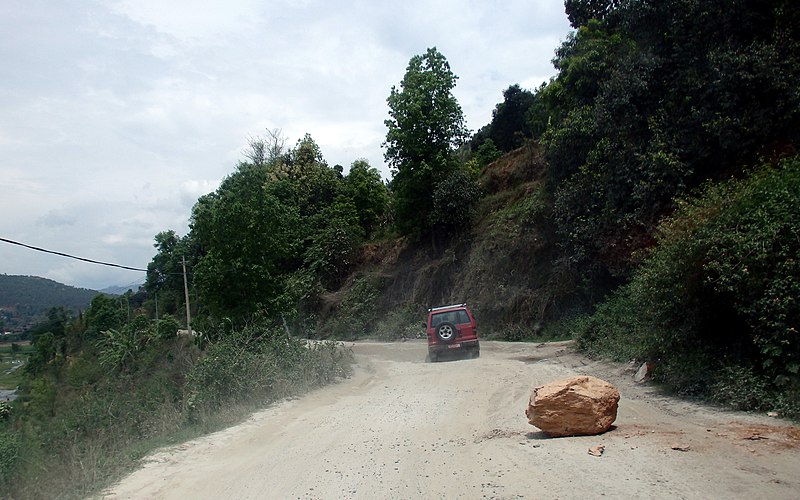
752	259
9	454
84	370
564	328
167	327
528	209
257	365
721	290
102	418
405	322
233	369
454	200
741	388
357	315
512	333
787	402
325	362
618	329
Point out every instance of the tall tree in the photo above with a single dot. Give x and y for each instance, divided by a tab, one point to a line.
509	126
426	124
248	238
165	272
364	186
581	12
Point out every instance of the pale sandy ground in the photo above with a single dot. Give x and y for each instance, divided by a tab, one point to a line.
404	428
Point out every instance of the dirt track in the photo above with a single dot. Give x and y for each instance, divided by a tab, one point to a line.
403	428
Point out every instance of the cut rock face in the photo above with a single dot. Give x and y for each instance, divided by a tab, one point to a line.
574	406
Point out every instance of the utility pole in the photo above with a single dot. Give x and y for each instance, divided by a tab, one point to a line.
186	294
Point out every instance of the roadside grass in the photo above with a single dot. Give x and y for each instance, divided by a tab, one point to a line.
72	440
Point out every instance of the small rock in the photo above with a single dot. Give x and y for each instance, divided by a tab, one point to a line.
680	447
643	373
596	451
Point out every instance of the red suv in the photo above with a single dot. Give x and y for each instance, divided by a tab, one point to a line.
451	328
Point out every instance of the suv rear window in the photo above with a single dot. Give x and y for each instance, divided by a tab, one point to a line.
455	317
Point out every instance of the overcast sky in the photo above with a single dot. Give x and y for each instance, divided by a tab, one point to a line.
115	116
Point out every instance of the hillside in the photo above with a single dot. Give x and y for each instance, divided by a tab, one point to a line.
23	299
503	267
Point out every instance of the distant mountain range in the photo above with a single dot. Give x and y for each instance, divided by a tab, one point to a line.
120	289
25	299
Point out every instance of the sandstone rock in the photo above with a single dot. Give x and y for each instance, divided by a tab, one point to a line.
597	451
643	373
575	406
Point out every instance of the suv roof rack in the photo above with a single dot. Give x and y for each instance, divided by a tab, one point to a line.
446	307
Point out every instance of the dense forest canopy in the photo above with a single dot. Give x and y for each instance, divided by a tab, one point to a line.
654	98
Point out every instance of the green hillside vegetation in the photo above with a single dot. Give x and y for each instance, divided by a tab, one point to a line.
100	391
643	202
26	299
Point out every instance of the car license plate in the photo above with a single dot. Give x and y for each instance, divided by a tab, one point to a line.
454	346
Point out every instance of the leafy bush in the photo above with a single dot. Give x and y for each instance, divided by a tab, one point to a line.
720	290
167	327
404	322
325	362
563	328
237	367
9	454
741	388
105	416
633	123
334	243
511	333
357	315
119	348
529	209
752	259
260	364
454	200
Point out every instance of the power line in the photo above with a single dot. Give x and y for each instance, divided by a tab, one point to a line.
72	256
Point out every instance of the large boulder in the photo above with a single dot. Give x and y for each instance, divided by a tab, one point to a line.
574	406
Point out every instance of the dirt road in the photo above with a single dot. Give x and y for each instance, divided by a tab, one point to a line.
403	428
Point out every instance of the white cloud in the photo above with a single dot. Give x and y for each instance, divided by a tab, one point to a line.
118	115
190	20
